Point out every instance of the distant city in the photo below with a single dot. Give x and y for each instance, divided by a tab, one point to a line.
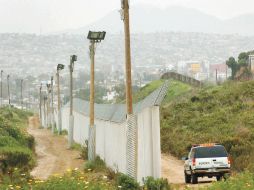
194	54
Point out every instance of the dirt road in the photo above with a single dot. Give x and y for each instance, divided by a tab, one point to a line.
172	169
53	157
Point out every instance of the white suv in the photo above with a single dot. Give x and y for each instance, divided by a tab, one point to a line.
211	160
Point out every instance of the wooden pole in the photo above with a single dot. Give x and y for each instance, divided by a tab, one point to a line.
92	52
128	58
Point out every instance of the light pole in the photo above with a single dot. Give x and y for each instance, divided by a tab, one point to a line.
40	106
52	105
45	112
132	143
2	88
59	114
94	37
8	85
48	106
21	94
73	58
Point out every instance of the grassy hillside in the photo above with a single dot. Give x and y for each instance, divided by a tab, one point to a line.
16	146
222	114
176	89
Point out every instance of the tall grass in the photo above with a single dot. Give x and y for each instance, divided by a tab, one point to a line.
222	114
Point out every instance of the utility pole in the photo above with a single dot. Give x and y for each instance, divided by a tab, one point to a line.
132	143
40	106
73	58
59	114
125	7
52	105
94	37
21	95
8	84
2	88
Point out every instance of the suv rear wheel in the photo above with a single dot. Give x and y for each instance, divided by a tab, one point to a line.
187	178
219	177
194	179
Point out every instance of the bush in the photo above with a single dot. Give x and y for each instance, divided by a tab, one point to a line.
243	181
98	165
84	151
64	132
156	184
125	182
16	156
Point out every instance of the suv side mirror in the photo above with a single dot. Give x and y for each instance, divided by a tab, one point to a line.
184	158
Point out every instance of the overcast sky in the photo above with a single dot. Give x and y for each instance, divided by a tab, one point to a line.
33	16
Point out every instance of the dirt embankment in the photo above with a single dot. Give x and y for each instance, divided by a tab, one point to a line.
53	157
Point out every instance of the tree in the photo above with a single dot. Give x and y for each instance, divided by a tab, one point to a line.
232	63
243	59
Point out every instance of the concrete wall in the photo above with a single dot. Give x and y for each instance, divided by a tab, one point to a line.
111	140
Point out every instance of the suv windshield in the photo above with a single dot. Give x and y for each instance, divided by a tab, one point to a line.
210	152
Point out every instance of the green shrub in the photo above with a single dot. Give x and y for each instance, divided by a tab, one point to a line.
8	141
12	157
243	181
98	165
84	151
90	165
64	132
156	184
125	182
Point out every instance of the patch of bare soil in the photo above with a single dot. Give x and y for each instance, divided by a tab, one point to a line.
173	170
53	157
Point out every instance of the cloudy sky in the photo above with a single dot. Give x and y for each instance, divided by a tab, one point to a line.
33	16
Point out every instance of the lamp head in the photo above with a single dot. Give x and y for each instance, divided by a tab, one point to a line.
60	67
96	36
74	58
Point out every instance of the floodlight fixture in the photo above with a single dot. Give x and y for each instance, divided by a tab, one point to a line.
49	87
74	58
60	67
96	36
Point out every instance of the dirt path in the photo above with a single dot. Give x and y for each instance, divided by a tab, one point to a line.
172	169
53	157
